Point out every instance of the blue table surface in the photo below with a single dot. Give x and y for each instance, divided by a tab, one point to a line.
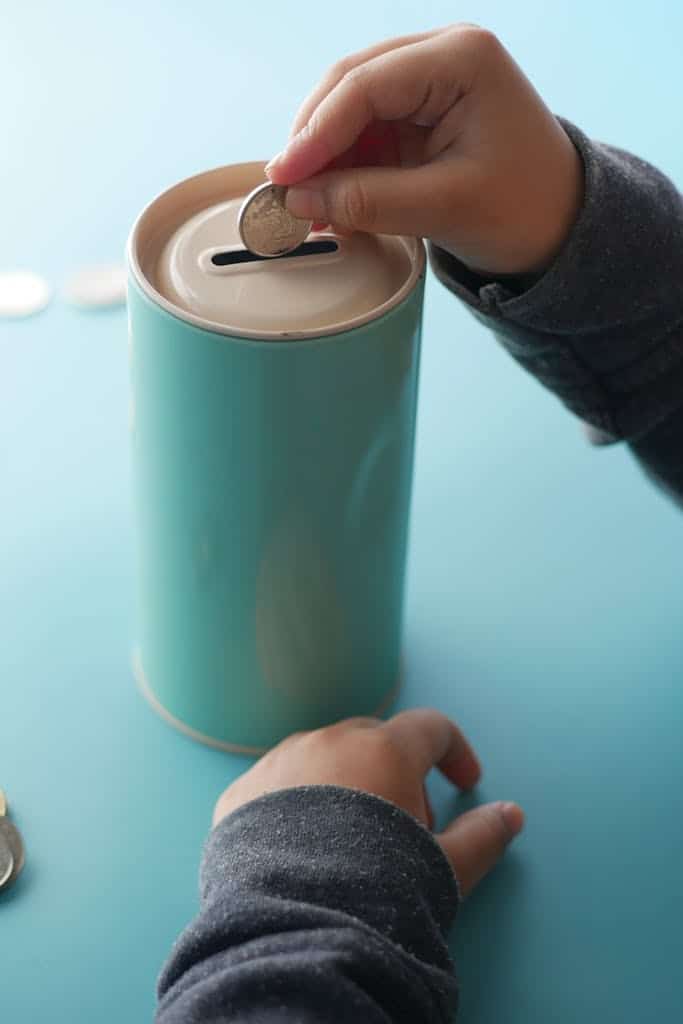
544	589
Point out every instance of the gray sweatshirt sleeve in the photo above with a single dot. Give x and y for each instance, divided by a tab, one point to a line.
318	903
603	327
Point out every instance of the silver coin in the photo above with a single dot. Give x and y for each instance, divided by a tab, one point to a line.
22	293
6	862
10	835
96	287
266	226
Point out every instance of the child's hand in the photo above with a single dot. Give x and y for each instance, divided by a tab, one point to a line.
438	135
391	760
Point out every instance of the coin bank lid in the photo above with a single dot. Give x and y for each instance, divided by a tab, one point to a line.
186	254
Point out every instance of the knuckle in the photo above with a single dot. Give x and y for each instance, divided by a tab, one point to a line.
356	75
293	738
297	749
482	39
384	748
312	736
371	720
286	748
383	741
355	723
339	69
459	28
474	33
324	740
358	81
358	209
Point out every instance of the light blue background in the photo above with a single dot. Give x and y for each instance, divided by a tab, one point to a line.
544	597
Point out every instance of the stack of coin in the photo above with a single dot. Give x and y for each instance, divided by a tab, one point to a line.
11	848
22	293
98	287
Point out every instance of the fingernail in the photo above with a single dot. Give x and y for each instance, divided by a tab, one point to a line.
271	163
306	204
513	816
284	153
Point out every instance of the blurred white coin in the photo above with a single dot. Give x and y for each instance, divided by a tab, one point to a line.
22	293
96	287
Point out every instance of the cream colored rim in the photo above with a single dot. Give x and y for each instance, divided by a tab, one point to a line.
414	246
209	741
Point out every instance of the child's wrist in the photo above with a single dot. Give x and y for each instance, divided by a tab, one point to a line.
554	222
523	223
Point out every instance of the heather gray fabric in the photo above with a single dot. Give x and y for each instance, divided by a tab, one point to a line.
603	327
318	903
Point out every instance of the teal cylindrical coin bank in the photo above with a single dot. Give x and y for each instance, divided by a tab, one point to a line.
273	419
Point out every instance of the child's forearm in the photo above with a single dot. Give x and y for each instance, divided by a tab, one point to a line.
603	327
326	893
318	903
441	135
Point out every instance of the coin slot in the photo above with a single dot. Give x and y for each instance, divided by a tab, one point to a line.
317	248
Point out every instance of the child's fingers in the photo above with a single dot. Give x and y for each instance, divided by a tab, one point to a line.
342	67
476	841
420	82
430	738
383	199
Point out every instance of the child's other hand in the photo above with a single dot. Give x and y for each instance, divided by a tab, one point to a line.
391	760
437	135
